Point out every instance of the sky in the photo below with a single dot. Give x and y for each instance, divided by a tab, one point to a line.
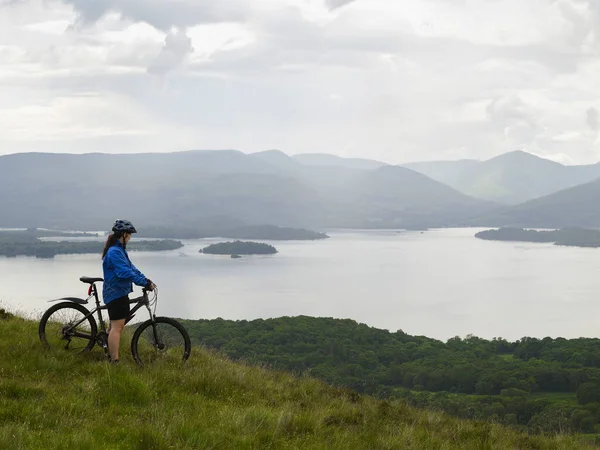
389	80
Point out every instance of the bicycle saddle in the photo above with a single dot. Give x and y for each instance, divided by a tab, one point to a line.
90	280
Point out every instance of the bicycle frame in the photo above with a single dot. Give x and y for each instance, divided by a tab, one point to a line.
140	302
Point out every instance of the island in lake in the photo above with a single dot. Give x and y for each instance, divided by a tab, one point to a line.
237	248
24	243
574	237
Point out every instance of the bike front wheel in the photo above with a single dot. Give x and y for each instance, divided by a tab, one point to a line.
68	326
161	339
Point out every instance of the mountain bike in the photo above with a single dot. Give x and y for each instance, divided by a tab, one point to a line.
70	325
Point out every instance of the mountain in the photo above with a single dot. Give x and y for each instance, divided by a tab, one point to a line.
324	159
211	402
447	172
573	207
194	188
393	196
511	178
278	159
515	177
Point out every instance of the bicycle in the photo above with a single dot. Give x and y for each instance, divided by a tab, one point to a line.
156	338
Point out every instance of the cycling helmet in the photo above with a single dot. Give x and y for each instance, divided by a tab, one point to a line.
123	226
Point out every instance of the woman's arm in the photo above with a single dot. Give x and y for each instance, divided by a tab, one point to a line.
124	271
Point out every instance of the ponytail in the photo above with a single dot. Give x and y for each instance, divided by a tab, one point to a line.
110	241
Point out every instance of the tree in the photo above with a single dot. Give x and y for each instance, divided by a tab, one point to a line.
588	393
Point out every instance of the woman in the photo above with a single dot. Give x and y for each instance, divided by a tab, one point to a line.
119	274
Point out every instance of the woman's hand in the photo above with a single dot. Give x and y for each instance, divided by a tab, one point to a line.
150	286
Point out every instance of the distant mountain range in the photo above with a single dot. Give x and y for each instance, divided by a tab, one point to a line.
221	189
226	189
511	178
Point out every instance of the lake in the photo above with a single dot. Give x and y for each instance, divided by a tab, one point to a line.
440	283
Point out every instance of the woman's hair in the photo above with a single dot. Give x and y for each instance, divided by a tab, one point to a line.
110	241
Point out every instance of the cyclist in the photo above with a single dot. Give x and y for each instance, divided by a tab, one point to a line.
119	274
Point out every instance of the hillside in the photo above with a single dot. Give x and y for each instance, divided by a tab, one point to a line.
211	190
511	178
209	403
574	207
325	159
396	196
447	172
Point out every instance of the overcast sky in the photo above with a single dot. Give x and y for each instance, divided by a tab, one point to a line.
397	81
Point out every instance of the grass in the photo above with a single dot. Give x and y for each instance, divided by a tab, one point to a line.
54	400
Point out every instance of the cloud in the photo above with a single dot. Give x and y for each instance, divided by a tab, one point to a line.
75	117
593	119
336	4
164	14
508	110
177	46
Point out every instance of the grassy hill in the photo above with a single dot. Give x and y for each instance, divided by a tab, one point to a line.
57	401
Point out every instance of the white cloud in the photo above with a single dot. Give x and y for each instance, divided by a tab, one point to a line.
335	4
177	46
87	115
568	136
592	117
210	39
163	14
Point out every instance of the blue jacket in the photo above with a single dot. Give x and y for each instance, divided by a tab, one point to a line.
119	273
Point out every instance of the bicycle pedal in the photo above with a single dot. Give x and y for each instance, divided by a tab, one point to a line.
101	340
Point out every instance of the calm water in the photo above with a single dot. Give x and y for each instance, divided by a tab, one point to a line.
441	283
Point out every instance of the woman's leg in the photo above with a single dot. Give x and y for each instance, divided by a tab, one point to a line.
114	338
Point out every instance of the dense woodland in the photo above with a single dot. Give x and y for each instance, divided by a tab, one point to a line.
542	385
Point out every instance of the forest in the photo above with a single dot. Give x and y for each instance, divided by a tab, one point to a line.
540	385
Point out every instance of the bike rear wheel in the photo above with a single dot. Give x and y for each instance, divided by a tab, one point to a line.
57	328
163	339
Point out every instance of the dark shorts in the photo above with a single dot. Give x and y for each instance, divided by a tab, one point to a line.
119	308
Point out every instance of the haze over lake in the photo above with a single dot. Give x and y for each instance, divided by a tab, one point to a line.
440	283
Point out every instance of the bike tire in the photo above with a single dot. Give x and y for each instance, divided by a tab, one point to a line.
174	329
93	327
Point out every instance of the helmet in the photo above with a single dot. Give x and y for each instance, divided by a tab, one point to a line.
123	226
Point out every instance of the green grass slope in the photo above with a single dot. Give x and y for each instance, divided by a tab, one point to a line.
54	400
